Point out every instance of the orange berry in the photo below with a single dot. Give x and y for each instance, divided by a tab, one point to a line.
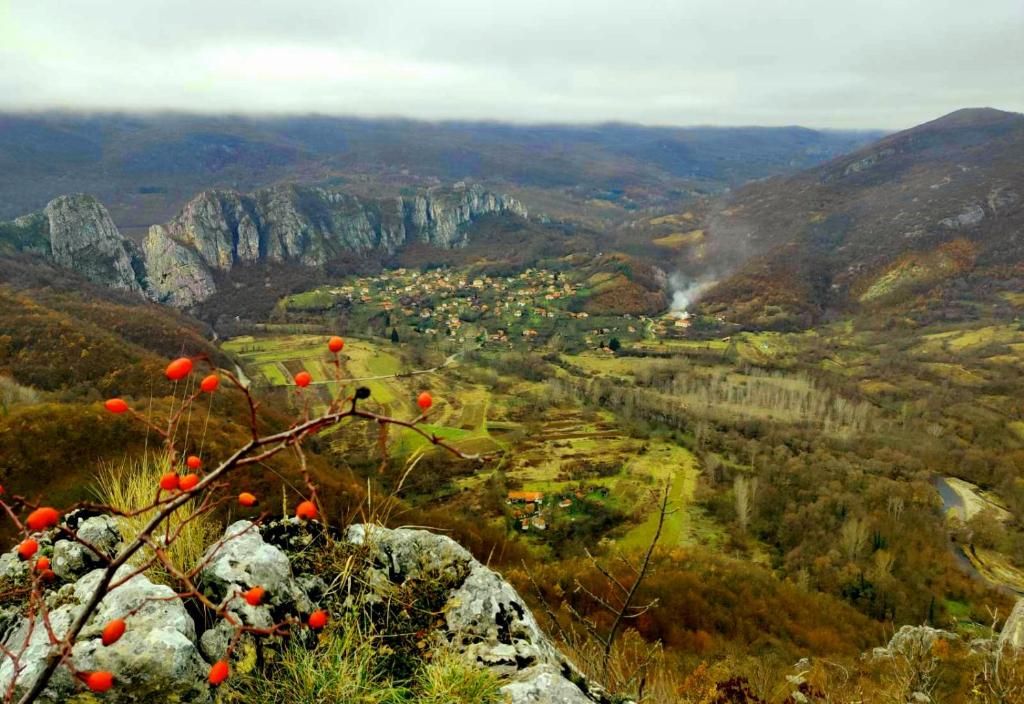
193	462
303	379
179	369
306	511
425	400
210	383
169	481
188	482
318	619
336	344
254	597
99	681
219	672
116	405
246	499
43	518
43	564
113	631
48	575
27	548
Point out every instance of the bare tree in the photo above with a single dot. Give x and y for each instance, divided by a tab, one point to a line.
745	491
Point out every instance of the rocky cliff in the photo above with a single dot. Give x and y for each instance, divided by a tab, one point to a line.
218	230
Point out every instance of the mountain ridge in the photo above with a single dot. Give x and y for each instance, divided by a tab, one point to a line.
825	239
308	226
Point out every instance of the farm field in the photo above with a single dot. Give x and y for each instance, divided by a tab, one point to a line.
565	452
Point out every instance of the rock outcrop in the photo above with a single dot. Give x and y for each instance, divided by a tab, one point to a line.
219	230
84	238
155	660
485	620
1012	635
162	656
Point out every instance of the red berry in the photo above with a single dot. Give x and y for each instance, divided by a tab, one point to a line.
246	499
116	405
303	378
169	481
193	462
219	672
43	564
188	482
306	511
336	344
43	518
254	597
179	369
318	619
425	400
99	681
210	383
113	631
27	548
48	575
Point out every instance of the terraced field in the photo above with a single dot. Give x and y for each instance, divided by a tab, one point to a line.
565	451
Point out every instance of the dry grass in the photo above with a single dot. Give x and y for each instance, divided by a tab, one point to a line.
131	486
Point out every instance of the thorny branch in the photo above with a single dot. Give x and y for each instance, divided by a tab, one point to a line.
256	449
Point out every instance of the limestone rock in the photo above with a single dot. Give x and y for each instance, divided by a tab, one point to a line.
543	684
1012	635
72	559
485	620
175	274
970	216
84	239
911	641
155	660
239	561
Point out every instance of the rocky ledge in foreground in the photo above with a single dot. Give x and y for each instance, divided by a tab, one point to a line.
165	654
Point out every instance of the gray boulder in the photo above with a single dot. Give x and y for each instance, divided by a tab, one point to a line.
155	660
1012	635
913	641
485	619
72	559
239	561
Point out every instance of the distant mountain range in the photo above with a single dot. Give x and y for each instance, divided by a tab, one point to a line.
909	214
145	167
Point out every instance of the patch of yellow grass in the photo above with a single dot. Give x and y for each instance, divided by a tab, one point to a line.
131	486
673	219
678	240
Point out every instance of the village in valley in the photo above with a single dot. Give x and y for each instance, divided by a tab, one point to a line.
532	307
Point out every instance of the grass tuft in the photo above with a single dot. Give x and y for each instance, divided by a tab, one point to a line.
131	486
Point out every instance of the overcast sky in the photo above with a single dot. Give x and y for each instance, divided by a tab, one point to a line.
821	63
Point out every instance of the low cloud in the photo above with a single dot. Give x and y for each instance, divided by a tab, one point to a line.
823	63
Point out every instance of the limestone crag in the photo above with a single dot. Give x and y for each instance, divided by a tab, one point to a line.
85	239
217	230
310	225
